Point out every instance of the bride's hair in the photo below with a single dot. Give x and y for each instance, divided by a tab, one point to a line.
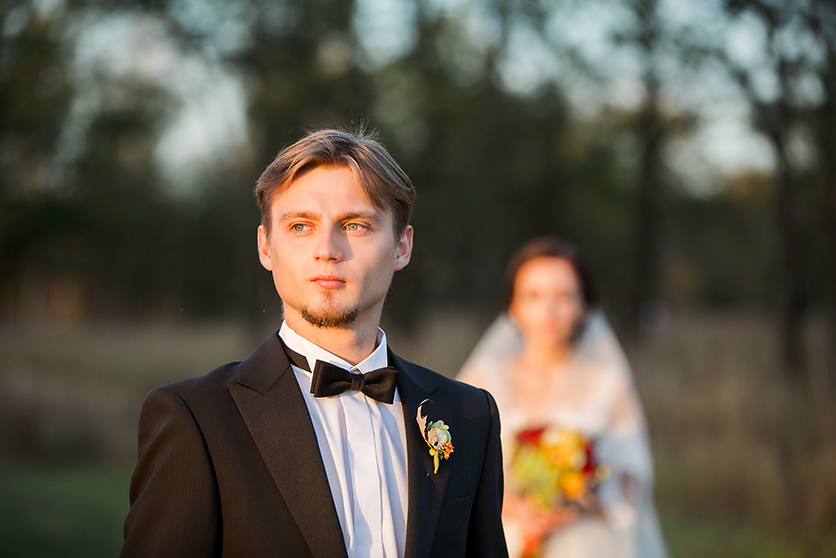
549	247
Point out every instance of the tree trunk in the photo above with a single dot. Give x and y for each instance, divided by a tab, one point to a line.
792	250
490	200
827	153
790	272
648	213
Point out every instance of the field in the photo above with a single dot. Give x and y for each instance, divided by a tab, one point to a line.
744	461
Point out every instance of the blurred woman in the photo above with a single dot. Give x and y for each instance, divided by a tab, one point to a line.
561	381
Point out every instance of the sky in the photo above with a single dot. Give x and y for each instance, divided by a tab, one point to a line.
211	121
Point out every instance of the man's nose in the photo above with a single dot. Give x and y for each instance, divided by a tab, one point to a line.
330	243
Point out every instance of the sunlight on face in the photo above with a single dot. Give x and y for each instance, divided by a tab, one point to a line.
547	304
331	251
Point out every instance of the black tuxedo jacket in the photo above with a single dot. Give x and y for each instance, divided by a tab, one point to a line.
229	466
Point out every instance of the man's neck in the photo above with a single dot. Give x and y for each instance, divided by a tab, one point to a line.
351	343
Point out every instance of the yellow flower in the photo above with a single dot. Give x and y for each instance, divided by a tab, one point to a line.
571	483
565	449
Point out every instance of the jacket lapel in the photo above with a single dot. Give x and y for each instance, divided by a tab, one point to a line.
425	488
268	397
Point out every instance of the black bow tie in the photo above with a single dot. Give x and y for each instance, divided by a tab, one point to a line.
329	379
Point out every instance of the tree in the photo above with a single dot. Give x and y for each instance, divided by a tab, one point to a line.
650	132
653	39
35	93
776	117
821	22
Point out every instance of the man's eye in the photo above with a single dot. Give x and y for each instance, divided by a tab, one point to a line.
298	227
354	227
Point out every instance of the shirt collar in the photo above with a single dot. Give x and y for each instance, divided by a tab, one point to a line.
378	359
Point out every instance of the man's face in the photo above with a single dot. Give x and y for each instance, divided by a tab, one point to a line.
331	251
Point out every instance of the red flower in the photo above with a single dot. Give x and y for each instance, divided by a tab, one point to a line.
530	435
590	458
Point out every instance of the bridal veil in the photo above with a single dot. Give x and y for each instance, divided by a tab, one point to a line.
596	397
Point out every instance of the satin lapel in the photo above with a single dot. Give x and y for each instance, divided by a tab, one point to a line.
269	399
425	488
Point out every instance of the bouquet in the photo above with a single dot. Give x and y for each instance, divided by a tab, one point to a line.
553	468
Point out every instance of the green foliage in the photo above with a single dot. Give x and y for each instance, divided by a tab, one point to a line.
68	512
726	260
90	227
688	537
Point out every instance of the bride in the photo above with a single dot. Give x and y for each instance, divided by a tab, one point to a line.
551	361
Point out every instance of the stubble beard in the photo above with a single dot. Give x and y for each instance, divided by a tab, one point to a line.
328	316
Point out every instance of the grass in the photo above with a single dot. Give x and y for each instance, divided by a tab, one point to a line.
699	537
731	437
744	461
78	511
74	394
64	512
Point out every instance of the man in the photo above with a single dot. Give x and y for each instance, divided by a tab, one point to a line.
355	459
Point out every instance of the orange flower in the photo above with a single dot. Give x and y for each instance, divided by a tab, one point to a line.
565	449
572	484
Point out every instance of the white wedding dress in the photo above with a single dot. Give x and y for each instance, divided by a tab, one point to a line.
595	396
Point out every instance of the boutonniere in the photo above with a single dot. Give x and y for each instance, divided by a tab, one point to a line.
437	435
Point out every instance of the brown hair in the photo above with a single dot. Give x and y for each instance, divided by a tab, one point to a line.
549	247
382	180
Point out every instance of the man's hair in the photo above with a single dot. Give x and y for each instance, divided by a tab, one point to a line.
383	181
549	247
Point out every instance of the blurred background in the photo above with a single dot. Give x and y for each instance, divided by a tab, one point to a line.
687	148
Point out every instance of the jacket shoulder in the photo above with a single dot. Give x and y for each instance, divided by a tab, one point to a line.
464	393
258	371
214	381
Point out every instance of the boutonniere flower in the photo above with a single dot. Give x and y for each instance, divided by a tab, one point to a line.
437	435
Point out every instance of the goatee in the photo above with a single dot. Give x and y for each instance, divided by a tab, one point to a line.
329	318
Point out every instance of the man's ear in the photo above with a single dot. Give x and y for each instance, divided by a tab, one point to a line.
264	254
404	249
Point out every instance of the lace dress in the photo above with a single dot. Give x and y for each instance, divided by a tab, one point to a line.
593	395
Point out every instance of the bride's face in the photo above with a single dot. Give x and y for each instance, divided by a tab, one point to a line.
547	304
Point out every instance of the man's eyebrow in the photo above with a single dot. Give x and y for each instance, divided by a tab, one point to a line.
300	214
372	216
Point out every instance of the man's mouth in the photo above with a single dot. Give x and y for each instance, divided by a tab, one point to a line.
329	281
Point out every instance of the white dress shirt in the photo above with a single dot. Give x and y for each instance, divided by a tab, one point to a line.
363	447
